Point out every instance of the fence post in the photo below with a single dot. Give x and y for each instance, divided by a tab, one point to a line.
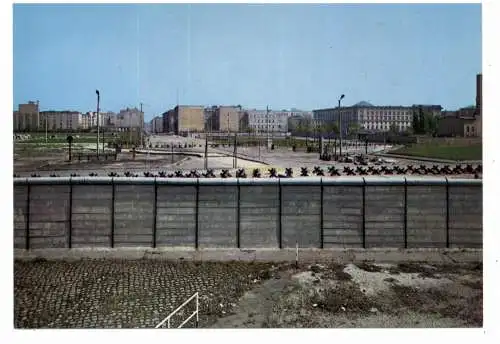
280	229
70	215
363	212
406	215
447	213
113	212
197	212
322	229
238	211
197	309
155	212
28	211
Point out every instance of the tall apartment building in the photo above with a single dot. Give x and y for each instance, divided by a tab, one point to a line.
60	120
27	118
184	119
372	118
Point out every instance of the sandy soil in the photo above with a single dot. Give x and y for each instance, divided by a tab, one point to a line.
364	295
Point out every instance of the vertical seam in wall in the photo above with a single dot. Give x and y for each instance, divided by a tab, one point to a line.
197	215
70	215
28	212
112	239
238	210
406	215
447	213
155	212
280	211
322	229
363	212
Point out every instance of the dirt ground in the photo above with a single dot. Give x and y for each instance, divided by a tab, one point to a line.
365	295
123	293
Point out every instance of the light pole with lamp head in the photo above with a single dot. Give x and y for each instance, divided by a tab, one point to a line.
97	118
340	125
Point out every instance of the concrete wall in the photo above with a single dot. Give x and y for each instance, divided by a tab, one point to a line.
345	212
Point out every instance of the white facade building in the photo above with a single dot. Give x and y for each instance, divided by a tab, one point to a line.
373	118
274	121
89	120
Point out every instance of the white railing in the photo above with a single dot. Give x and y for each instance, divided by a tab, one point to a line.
167	319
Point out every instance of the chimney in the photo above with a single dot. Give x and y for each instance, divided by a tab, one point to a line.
479	94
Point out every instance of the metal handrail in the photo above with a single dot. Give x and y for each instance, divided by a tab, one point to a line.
196	312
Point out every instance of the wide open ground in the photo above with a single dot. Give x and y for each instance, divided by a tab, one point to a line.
112	293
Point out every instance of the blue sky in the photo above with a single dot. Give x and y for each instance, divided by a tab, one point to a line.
284	56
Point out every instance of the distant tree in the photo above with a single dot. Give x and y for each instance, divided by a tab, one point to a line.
306	129
353	128
330	129
424	123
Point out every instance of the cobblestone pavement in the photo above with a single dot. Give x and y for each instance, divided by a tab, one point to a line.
126	293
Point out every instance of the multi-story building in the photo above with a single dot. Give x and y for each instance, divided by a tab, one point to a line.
156	125
168	126
210	114
127	120
227	118
27	118
366	116
184	119
272	121
465	122
60	120
107	120
458	123
89	120
86	122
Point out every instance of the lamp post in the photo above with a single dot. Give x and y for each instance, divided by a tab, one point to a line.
340	126
97	118
267	127
228	138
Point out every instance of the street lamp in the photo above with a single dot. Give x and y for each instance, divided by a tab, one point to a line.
97	117
340	125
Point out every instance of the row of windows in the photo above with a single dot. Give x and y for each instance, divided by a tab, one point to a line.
386	119
265	127
385	112
387	126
